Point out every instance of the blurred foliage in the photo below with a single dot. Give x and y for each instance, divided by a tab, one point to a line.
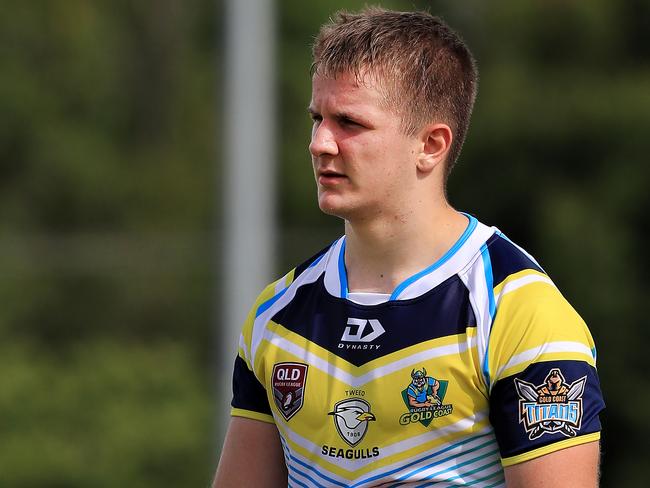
108	187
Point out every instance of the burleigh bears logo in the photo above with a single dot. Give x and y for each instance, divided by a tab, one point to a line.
552	407
424	398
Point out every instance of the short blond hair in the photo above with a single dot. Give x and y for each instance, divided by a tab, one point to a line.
425	69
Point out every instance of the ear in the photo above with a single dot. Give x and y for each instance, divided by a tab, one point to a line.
436	141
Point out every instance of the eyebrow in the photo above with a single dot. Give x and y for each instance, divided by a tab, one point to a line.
341	115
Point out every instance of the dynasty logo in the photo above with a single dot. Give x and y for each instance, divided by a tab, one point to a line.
424	398
356	335
554	406
288	381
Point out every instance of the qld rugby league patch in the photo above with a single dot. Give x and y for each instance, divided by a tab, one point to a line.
552	407
288	383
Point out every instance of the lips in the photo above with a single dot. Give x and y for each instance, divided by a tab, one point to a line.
328	177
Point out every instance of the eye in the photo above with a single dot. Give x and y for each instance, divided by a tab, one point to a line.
316	118
345	121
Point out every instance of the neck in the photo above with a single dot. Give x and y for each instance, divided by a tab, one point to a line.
381	253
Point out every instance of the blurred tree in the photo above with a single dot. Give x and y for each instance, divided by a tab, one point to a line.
107	159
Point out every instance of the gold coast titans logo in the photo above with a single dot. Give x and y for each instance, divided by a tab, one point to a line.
552	407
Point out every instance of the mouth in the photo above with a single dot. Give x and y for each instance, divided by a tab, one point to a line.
328	177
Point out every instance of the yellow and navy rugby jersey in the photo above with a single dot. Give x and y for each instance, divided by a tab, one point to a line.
475	363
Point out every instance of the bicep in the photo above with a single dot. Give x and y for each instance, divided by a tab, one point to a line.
575	466
251	456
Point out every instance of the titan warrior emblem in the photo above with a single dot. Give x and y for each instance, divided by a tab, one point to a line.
288	381
552	407
351	418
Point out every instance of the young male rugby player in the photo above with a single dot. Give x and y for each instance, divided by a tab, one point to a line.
422	347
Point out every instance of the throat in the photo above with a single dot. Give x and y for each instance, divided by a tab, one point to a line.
381	262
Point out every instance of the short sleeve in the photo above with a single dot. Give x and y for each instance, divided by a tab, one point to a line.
249	395
250	398
544	394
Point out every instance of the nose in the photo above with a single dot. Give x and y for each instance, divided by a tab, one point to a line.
323	141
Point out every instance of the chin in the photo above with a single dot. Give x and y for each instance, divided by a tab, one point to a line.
332	206
331	210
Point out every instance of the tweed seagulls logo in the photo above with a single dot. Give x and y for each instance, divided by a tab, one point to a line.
288	381
553	407
351	419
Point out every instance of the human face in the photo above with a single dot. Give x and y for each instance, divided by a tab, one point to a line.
363	162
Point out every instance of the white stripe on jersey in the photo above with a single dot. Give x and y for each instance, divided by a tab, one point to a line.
458	262
547	348
462	460
523	281
259	325
357	381
353	465
474	279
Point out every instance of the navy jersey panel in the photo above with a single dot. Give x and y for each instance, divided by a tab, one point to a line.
527	413
306	264
506	259
323	319
248	392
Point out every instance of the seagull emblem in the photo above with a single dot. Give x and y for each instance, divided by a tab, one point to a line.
351	419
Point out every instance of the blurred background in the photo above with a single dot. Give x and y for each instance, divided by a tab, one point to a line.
112	166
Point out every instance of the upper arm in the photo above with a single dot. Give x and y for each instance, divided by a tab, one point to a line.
575	466
251	456
539	363
545	394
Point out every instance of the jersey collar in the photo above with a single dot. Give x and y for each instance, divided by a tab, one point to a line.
452	262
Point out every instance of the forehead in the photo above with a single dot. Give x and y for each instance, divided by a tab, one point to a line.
345	91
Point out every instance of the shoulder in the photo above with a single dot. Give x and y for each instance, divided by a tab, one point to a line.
506	259
532	320
272	295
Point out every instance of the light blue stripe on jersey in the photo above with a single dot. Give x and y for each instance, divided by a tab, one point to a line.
267	304
437	453
343	275
431	483
498	483
449	458
299	483
292	467
311	468
446	257
476	470
489	284
454	467
498	474
489	279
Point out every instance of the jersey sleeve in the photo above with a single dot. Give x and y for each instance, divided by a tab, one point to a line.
544	388
250	398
